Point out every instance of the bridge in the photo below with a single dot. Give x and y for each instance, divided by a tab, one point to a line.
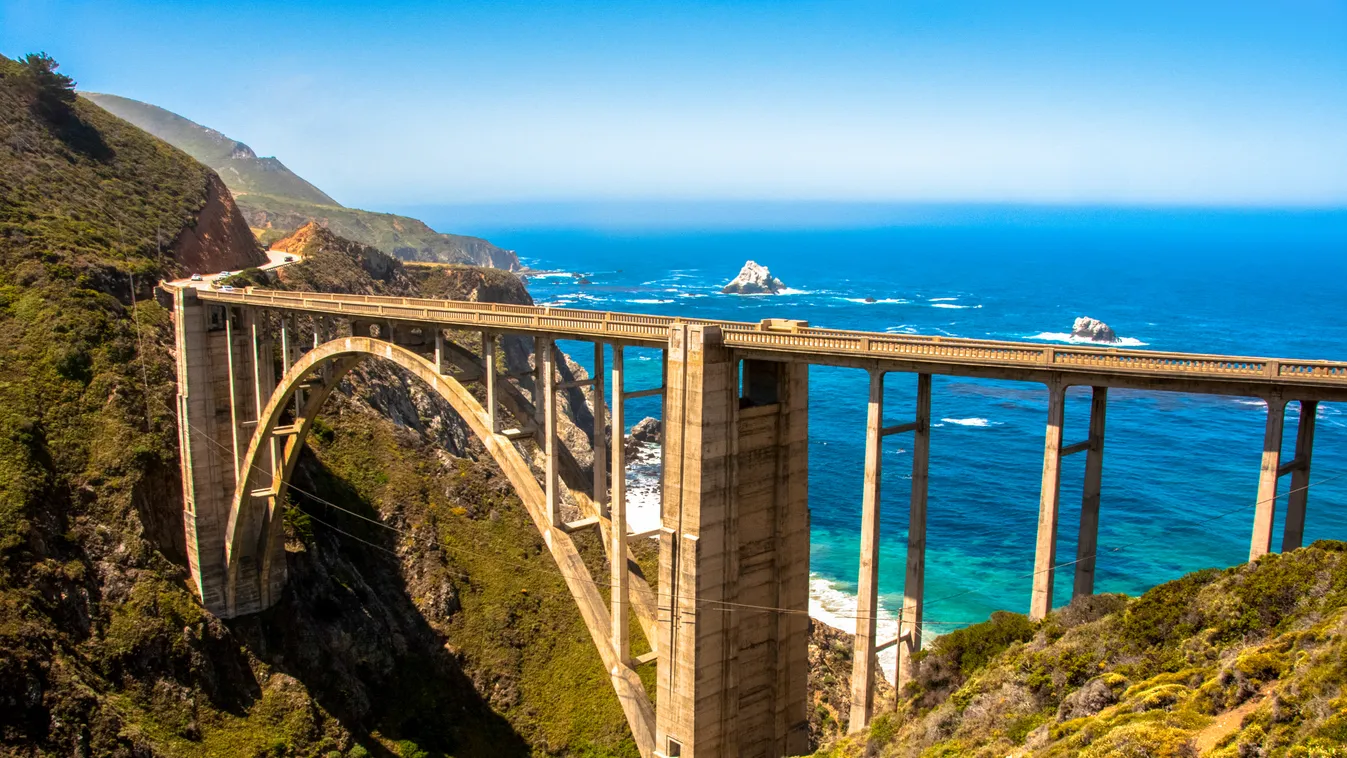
727	620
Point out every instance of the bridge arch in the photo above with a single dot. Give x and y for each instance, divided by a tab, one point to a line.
254	539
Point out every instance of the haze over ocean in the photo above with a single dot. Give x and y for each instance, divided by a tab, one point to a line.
1180	471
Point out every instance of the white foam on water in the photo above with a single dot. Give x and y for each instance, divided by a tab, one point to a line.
692	294
970	421
1073	339
942	299
882	301
649	301
643	488
551	275
837	608
953	306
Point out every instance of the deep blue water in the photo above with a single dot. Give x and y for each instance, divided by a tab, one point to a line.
1180	471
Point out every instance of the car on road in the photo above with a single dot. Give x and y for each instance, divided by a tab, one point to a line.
227	288
289	259
196	277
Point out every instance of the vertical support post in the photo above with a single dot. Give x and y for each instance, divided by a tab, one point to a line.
1293	535
1045	554
489	376
914	584
548	401
696	697
233	391
867	596
617	553
540	345
1087	543
439	351
1265	509
600	435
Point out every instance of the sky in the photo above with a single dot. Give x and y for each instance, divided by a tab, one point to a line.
385	104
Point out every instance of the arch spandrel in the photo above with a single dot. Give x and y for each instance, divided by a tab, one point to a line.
252	502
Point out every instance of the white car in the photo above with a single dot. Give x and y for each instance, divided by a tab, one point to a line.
196	277
227	288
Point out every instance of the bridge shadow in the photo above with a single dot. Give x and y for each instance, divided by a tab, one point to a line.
348	630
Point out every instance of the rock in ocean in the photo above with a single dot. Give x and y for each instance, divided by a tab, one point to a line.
754	279
1093	330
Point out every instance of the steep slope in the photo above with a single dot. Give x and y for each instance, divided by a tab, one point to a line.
103	648
1249	661
242	170
276	201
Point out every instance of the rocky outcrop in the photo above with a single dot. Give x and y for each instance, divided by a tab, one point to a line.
648	431
754	279
830	652
220	239
335	264
1093	330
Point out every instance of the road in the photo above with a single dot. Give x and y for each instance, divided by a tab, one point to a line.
275	259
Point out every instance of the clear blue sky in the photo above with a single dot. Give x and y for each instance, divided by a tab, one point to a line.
400	103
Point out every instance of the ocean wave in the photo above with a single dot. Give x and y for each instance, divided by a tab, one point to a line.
551	275
942	299
883	301
643	488
1073	339
901	329
692	294
837	608
649	301
970	421
953	306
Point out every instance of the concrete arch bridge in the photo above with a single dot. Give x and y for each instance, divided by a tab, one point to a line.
734	517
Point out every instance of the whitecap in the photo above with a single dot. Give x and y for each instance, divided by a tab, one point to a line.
953	306
980	422
1073	339
837	608
550	275
649	301
942	299
884	301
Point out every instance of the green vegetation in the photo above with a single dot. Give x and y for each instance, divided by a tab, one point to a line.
104	649
1250	661
277	202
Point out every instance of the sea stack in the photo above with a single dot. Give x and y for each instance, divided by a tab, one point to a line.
754	279
1093	330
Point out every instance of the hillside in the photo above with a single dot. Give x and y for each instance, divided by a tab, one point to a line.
1249	661
276	201
243	172
386	646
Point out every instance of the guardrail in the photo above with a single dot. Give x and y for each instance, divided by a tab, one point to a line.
799	339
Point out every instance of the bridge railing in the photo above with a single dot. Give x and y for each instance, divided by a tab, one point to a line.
794	338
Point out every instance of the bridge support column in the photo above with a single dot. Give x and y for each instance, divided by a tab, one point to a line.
1293	536
1046	552
731	677
547	387
1087	544
914	584
600	438
617	554
1265	509
489	379
867	591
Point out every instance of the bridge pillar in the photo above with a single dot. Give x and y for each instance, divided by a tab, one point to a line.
1293	535
1265	508
1087	543
734	541
217	389
1046	552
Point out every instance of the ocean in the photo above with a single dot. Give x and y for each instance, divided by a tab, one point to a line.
1180	471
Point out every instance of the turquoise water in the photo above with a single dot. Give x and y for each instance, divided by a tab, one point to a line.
1180	471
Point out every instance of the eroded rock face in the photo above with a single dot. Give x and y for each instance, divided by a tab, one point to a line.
220	239
754	279
1093	330
647	430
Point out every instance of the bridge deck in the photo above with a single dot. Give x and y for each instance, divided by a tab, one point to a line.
1098	366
